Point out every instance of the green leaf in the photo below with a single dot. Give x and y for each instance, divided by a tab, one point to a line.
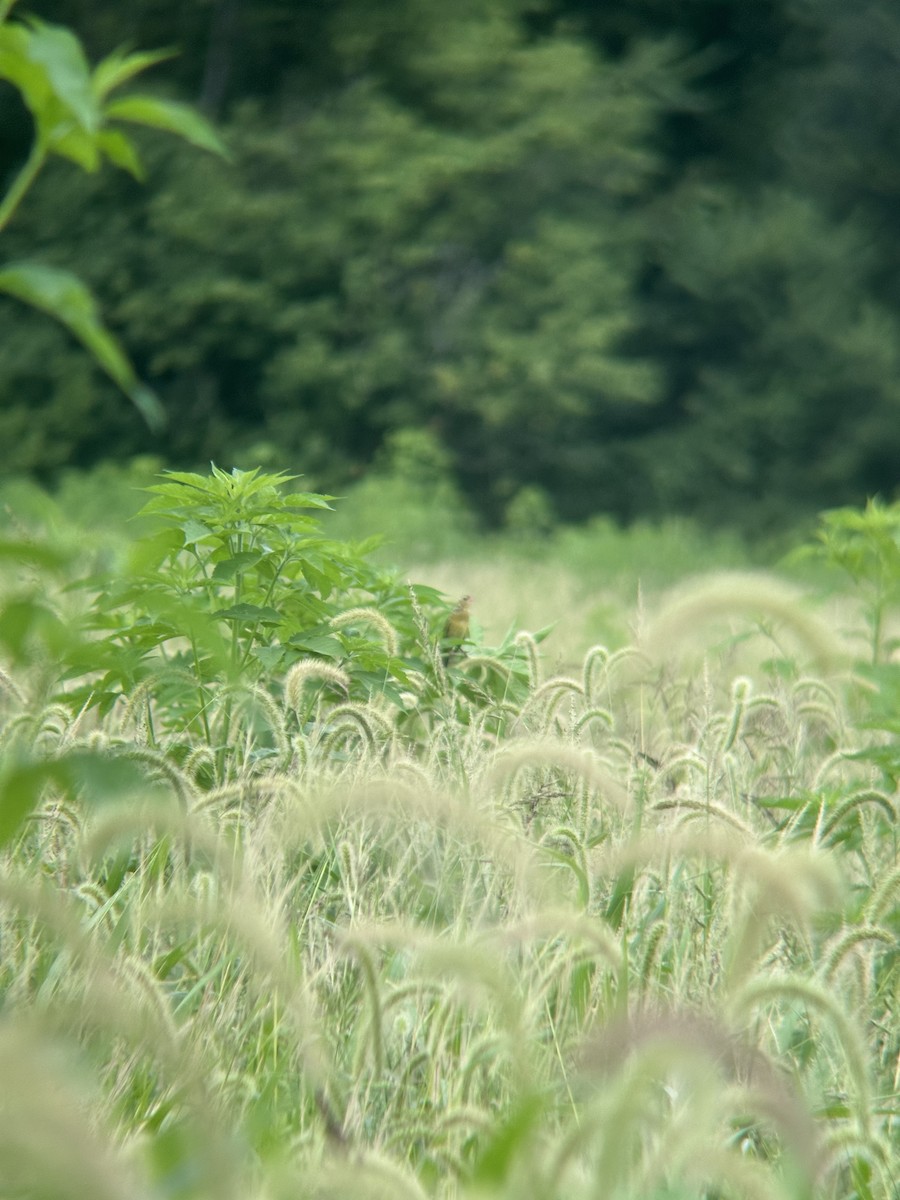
270	656
21	786
103	777
120	150
309	500
29	77
317	579
63	296
508	1140
229	567
97	777
195	531
117	68
168	115
24	621
318	643
791	803
60	53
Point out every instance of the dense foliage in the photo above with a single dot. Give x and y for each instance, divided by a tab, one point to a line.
633	257
290	908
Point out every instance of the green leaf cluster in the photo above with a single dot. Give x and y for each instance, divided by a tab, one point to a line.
73	119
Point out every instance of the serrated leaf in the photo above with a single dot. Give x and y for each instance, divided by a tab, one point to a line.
229	567
195	531
317	579
170	116
62	295
271	657
318	643
308	500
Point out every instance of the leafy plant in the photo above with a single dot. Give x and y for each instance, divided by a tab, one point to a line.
237	587
865	545
76	117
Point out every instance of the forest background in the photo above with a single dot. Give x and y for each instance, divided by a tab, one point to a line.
636	258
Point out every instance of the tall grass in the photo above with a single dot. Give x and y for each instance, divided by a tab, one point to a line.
632	934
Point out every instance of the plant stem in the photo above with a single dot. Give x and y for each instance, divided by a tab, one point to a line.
22	183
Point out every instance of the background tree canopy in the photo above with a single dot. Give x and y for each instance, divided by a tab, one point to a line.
641	257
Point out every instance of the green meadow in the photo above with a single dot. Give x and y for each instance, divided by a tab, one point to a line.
491	830
296	902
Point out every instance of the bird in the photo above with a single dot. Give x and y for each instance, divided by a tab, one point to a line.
456	630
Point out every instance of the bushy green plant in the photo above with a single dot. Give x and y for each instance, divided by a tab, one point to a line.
233	616
864	545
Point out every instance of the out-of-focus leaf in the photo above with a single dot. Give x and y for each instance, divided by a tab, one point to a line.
27	626
229	567
32	553
120	150
506	1142
168	115
63	296
60	53
16	67
93	776
21	785
117	68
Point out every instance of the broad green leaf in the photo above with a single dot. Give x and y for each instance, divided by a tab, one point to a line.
117	68
102	777
318	643
94	776
270	656
229	567
317	579
507	1140
120	150
15	66
168	115
63	296
23	622
74	143
61	55
21	785
196	531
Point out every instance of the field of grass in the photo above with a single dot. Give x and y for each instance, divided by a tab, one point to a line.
296	901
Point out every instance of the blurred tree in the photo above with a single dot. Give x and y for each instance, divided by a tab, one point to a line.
638	255
368	265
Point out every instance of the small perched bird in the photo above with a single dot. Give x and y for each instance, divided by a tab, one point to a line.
456	630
